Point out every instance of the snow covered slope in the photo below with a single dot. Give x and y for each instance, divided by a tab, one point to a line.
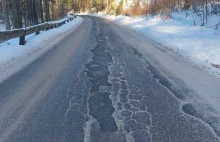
199	44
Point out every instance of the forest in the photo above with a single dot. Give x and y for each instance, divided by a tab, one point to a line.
23	13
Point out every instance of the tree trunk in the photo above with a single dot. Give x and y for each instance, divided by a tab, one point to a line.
41	12
206	9
47	10
29	17
52	10
6	16
35	13
16	14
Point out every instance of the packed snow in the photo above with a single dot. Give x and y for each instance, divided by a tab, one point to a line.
14	57
185	35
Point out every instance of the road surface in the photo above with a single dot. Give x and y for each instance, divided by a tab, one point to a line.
95	86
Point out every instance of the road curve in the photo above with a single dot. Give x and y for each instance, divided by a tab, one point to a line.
94	86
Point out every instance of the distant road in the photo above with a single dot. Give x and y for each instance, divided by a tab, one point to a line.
95	86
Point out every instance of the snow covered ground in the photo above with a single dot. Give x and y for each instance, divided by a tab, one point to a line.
2	27
199	44
14	57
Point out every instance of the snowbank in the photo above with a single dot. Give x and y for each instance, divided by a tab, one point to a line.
14	57
199	44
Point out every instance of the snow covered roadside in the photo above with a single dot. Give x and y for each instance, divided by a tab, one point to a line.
14	57
200	44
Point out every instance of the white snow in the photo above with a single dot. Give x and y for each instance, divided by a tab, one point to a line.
14	57
199	44
2	27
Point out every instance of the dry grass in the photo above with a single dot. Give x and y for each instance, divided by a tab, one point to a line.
135	11
216	66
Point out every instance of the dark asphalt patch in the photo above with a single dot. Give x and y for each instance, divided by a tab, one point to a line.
100	105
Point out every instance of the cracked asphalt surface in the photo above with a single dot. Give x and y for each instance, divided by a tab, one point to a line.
94	86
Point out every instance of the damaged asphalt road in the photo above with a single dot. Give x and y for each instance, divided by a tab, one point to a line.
94	86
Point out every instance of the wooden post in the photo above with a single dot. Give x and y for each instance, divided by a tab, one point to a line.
39	29
38	32
22	40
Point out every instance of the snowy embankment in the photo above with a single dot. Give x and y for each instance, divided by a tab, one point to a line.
14	57
199	44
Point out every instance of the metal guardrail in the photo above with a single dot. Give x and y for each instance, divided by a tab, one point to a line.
21	33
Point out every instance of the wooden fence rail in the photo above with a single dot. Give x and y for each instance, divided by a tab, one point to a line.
21	33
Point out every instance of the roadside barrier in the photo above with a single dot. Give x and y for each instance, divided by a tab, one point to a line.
22	32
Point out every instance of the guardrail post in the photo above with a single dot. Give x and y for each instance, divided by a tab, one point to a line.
38	32
22	39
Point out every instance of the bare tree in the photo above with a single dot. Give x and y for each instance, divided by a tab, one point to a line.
47	10
41	11
16	13
6	15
